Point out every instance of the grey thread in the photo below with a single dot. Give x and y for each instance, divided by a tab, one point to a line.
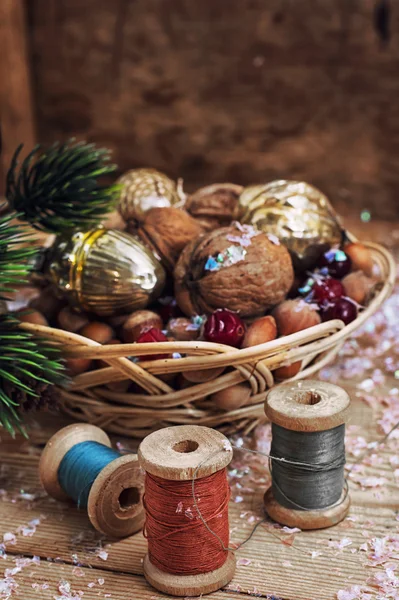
280	460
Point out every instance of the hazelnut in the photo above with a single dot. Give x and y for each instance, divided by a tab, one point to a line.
260	331
47	303
69	320
233	397
288	371
295	315
114	221
237	268
358	286
361	258
183	330
98	332
202	375
137	322
215	205
30	315
75	366
166	231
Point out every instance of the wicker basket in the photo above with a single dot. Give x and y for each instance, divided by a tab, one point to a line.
136	415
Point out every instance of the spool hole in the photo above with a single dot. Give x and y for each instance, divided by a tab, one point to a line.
185	446
309	398
129	497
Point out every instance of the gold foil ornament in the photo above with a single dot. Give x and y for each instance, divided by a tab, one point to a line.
105	272
143	189
297	213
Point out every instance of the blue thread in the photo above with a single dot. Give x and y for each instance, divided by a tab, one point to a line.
80	467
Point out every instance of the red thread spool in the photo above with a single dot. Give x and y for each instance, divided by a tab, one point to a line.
184	557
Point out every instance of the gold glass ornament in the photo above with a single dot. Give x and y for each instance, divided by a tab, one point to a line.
143	189
105	272
297	213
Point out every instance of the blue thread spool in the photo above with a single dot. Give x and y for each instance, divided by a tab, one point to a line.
78	463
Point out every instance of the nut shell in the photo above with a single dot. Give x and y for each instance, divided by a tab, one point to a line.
137	322
166	231
295	315
260	331
358	286
361	258
233	397
249	286
215	205
182	329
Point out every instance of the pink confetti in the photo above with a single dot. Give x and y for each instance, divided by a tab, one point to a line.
244	562
101	581
341	544
103	554
291	529
179	508
9	538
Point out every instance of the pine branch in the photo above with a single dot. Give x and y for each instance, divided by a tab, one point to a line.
28	365
15	254
58	188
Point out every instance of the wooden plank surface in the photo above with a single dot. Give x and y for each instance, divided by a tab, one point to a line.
268	565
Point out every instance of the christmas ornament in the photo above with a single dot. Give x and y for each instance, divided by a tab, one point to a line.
297	213
224	327
105	272
237	268
336	262
143	189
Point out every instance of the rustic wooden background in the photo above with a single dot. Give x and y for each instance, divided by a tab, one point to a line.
211	90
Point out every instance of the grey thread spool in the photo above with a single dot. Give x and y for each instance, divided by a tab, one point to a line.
308	427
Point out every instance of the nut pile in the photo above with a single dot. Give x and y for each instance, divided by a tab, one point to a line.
229	283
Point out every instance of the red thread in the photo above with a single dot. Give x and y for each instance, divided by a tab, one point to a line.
178	540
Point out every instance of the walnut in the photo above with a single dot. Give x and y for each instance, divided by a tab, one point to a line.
235	267
215	205
166	231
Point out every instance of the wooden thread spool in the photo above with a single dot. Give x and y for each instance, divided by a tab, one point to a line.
186	453
114	503
307	406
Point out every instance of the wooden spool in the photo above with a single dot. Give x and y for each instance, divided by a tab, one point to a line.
307	406
115	501
184	453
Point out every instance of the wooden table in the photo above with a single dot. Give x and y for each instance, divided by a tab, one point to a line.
51	552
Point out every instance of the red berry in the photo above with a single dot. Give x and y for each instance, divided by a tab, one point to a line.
224	327
337	263
327	290
343	309
150	336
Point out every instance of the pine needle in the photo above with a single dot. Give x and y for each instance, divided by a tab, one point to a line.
58	188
